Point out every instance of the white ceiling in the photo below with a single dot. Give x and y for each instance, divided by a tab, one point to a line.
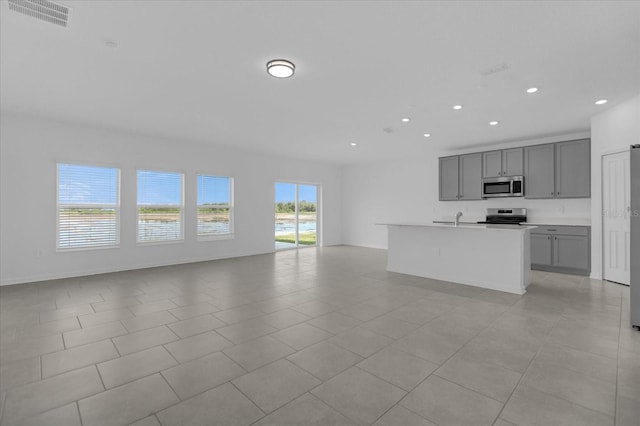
195	71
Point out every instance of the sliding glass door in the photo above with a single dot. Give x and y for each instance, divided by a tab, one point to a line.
296	215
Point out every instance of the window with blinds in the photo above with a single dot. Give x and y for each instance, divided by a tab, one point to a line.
160	206
215	206
88	206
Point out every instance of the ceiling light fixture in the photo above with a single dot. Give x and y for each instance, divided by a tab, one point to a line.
427	135
532	90
406	120
601	102
457	107
280	68
493	123
353	144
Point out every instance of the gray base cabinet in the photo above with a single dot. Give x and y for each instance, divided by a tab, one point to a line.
561	249
541	250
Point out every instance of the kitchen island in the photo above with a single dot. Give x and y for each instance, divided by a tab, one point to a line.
496	257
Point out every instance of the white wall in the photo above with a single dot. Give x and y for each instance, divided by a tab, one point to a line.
612	130
30	148
407	191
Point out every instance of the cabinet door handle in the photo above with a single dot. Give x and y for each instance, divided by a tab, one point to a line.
551	193
548	237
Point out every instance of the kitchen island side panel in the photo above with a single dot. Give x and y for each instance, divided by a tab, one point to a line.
497	259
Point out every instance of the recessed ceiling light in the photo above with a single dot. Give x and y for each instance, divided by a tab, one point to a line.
353	144
532	90
456	107
601	102
280	68
427	135
493	123
406	120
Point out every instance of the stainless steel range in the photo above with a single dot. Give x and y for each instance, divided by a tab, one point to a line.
506	216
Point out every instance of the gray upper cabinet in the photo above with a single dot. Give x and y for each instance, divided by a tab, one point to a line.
492	164
539	167
560	170
470	172
449	178
512	163
553	170
573	169
507	162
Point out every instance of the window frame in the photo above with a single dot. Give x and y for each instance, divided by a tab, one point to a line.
116	207
180	240
230	206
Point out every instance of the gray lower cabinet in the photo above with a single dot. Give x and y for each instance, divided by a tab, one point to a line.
541	250
561	249
571	251
461	177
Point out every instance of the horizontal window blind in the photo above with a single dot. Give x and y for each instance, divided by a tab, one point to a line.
159	206
215	206
88	206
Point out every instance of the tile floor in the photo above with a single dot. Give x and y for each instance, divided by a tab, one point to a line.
319	336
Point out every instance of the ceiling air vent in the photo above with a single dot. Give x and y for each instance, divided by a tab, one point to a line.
44	10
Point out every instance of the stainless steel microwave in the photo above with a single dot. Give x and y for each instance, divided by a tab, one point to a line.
509	186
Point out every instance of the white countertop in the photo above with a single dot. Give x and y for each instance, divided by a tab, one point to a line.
477	226
559	222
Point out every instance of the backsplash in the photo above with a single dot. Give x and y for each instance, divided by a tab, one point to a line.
537	210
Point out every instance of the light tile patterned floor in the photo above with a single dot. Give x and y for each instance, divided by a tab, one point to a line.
319	336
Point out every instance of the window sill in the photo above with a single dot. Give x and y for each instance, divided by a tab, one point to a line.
216	237
87	248
159	243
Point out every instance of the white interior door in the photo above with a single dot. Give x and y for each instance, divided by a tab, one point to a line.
616	196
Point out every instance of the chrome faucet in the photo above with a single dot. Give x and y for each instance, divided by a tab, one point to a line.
458	215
